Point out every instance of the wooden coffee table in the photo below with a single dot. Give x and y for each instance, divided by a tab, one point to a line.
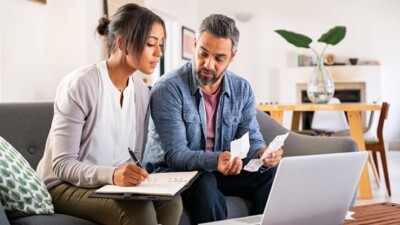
379	213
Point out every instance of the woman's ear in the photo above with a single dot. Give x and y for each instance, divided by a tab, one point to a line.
120	47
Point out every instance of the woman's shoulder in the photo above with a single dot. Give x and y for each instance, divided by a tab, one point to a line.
84	73
81	82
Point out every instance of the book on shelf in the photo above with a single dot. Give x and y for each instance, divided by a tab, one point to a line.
304	60
158	186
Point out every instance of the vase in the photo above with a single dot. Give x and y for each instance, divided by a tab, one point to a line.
320	87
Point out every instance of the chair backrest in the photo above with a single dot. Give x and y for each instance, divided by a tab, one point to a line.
382	118
330	121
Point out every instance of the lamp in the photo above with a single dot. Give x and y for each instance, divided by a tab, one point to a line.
244	17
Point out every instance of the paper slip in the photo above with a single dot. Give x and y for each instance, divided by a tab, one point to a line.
240	147
276	144
349	215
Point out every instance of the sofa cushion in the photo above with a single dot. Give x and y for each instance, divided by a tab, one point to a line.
54	219
21	190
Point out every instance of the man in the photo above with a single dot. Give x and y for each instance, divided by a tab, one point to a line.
197	111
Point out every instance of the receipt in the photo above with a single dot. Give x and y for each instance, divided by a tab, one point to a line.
277	143
240	147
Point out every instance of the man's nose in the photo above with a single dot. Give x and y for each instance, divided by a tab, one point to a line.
209	64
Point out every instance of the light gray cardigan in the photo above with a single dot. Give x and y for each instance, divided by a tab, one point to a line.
75	116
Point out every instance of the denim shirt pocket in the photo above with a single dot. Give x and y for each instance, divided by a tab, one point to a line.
231	122
193	126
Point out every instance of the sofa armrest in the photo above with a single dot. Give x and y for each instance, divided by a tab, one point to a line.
297	144
3	217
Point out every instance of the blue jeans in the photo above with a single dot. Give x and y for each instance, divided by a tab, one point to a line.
205	198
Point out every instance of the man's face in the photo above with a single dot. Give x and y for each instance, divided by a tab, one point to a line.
212	57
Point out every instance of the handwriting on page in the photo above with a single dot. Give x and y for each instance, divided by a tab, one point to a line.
240	147
276	144
167	184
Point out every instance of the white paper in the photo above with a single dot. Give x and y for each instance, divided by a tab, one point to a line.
349	216
240	147
277	143
253	165
167	184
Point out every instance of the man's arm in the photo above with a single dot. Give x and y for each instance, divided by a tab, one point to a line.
166	110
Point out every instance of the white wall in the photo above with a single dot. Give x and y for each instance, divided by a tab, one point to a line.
41	43
373	31
179	13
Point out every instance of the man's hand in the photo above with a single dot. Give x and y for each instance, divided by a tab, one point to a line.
129	175
272	159
228	167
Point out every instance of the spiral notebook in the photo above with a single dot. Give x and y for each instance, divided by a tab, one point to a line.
158	186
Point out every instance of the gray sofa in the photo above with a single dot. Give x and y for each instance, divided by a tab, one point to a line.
26	126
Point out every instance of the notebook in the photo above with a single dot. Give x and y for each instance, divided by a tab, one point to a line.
158	186
310	190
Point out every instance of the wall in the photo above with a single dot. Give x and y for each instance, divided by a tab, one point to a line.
373	29
1	41
176	13
41	43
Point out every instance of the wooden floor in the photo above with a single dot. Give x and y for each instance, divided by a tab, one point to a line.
380	195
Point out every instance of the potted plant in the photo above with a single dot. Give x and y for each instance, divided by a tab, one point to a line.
320	88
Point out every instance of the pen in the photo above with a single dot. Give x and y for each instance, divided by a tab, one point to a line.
135	160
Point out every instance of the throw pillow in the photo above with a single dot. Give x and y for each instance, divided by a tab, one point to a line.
21	190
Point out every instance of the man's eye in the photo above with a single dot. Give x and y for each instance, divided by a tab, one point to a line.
219	59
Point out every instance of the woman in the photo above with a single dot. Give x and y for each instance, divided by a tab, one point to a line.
99	112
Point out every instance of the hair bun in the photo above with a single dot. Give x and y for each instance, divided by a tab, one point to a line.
102	28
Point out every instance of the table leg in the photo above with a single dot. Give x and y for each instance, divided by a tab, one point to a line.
357	135
296	120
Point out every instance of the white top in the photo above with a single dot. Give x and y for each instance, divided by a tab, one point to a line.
115	128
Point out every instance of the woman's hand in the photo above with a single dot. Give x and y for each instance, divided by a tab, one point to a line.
129	175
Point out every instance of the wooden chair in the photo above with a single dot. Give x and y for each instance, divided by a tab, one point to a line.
378	145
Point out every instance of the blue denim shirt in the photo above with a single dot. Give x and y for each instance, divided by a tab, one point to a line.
177	133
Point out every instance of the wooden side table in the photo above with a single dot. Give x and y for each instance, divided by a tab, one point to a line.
379	213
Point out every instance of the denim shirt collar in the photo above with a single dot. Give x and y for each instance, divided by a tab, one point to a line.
195	87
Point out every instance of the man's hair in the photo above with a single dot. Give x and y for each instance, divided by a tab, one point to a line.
221	26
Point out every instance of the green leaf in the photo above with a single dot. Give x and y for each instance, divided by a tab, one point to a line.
334	35
295	39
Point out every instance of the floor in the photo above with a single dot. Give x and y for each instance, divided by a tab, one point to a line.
380	194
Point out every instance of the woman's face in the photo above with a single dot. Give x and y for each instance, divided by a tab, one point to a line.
153	49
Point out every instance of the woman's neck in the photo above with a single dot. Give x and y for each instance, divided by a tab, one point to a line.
119	71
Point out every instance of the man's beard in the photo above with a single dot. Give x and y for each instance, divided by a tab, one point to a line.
205	80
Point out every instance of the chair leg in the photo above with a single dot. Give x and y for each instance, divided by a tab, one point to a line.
374	155
374	170
385	170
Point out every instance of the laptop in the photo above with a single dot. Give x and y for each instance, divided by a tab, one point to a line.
310	190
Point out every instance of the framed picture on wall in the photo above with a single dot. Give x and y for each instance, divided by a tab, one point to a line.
188	36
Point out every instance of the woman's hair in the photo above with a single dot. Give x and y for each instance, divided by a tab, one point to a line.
221	26
132	23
